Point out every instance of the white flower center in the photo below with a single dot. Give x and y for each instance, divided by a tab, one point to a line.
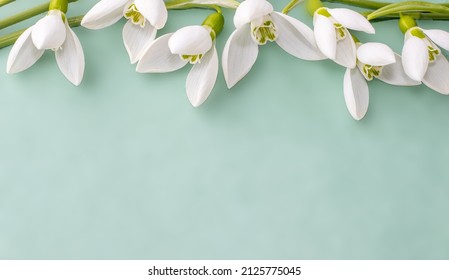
369	71
340	31
433	53
339	28
433	50
133	14
263	30
192	58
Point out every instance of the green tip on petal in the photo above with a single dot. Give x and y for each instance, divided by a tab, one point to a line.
417	32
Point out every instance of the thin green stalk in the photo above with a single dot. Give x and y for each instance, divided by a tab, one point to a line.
404	7
26	15
416	16
5	2
291	5
188	4
374	5
8	40
426	16
75	21
195	6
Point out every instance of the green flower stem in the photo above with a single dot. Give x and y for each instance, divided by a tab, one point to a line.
290	6
313	5
26	15
61	5
416	16
412	6
5	2
373	5
10	39
215	22
406	22
188	4
194	6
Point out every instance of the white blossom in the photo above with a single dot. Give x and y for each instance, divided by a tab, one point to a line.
190	44
256	24
145	17
50	33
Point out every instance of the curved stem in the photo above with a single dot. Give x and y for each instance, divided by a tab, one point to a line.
10	39
26	15
217	9
291	5
404	7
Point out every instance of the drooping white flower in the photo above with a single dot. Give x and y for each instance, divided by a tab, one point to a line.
374	60
423	60
50	33
332	35
256	23
145	17
190	44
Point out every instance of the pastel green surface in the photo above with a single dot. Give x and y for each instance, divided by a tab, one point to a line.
122	167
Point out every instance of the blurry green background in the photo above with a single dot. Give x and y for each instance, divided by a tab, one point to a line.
122	167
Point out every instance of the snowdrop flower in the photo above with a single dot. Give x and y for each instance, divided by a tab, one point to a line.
423	60
145	17
50	33
332	35
256	23
374	60
191	44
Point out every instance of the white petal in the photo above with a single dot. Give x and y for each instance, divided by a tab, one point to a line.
439	37
190	40
356	93
137	39
104	13
251	9
202	77
346	51
325	35
352	20
23	53
296	38
157	58
70	58
239	55
154	11
376	54
437	75
394	74
49	32
415	58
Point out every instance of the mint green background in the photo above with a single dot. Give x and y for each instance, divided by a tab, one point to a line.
122	167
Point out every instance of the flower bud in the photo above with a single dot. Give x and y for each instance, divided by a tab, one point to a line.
49	32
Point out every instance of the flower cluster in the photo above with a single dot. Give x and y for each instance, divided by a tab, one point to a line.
256	24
